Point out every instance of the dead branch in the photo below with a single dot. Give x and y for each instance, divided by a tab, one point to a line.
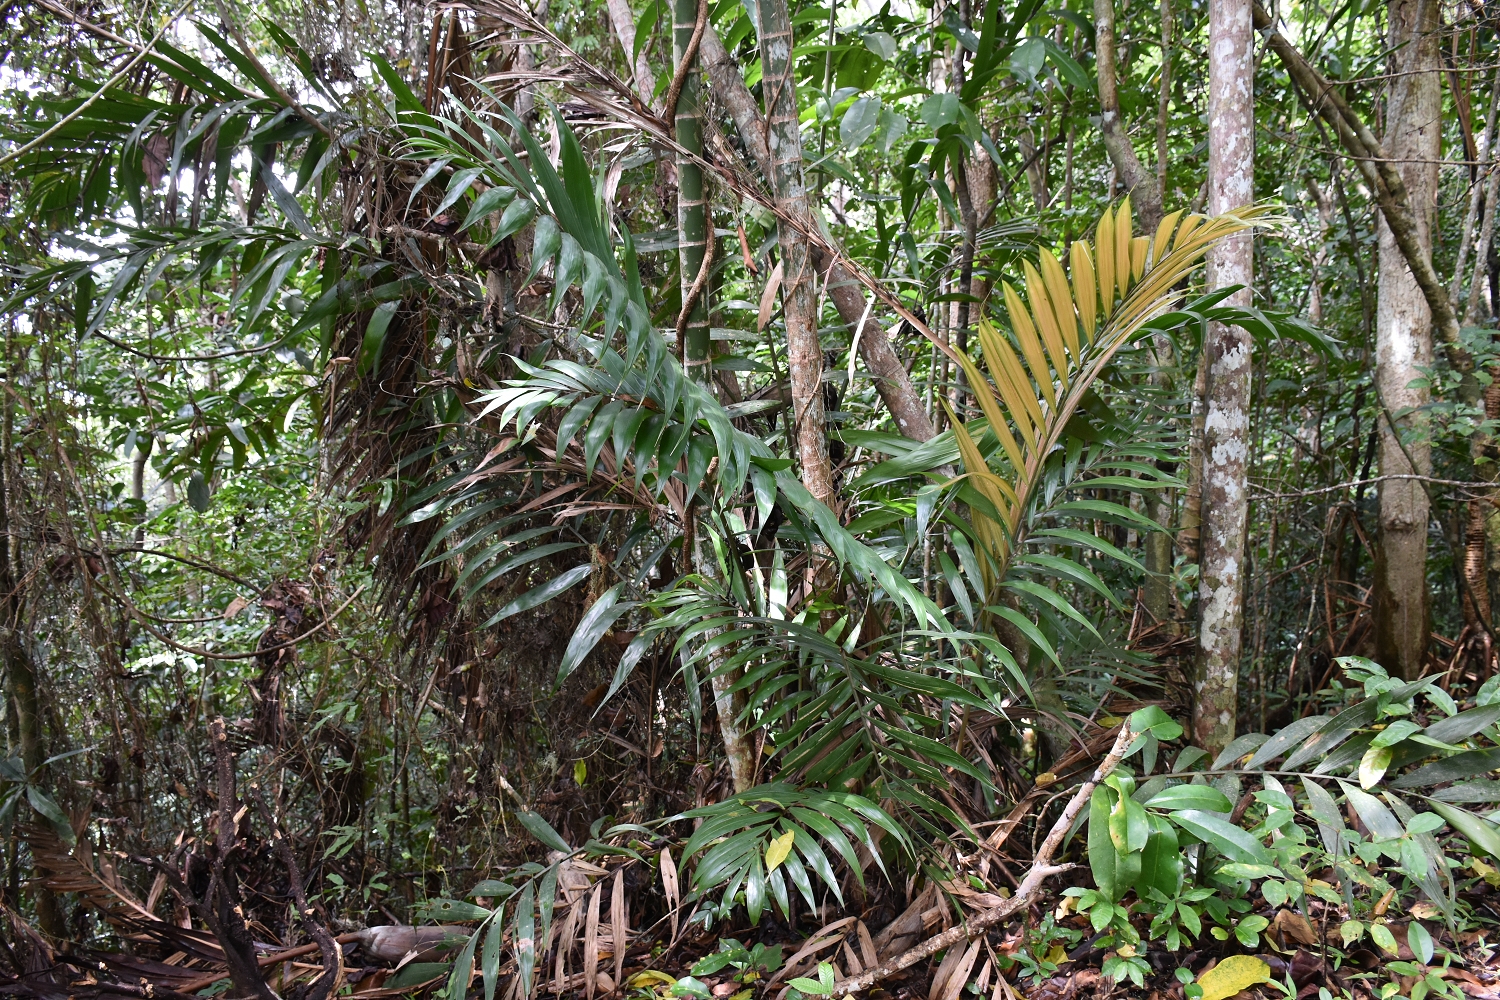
1041	869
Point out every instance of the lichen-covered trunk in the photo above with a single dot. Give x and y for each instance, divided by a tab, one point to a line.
1403	345
799	299
1226	443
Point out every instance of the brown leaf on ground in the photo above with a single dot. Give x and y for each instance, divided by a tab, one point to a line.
1291	928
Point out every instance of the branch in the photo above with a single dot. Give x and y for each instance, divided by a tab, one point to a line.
1143	187
1041	869
1382	177
333	955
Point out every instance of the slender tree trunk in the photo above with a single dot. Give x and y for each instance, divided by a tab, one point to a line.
623	20
695	242
1145	190
1190	522
20	669
892	381
1481	510
1403	344
1146	196
1231	163
799	295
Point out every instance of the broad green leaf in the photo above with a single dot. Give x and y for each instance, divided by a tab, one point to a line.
1201	797
1373	813
1161	861
1483	834
1228	839
597	620
1241	746
860	122
1420	941
541	593
1459	766
1464	724
542	831
1103	858
1284	741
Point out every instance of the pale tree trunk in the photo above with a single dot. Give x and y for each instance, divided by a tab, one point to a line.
1403	344
799	294
892	381
1231	162
623	19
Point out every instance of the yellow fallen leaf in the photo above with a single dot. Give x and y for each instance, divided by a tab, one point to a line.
1057	956
648	976
778	849
1235	973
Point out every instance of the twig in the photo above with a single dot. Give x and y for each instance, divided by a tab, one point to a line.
1429	480
123	72
1041	869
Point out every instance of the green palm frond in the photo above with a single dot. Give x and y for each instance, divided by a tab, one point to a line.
1064	335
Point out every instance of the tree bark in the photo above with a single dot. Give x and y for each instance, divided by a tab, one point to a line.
623	19
695	242
1146	198
1403	343
1145	191
1231	163
799	296
892	381
1481	508
1399	208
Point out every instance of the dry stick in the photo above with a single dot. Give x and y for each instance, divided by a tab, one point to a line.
669	112
1041	869
333	955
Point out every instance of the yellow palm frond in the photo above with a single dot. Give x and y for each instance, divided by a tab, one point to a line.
1063	336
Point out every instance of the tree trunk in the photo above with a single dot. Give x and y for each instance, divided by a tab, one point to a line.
892	381
695	242
623	19
1231	162
1403	344
20	669
804	352
1145	191
1146	197
1481	446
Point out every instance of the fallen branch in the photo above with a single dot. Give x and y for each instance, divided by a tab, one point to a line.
1041	869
